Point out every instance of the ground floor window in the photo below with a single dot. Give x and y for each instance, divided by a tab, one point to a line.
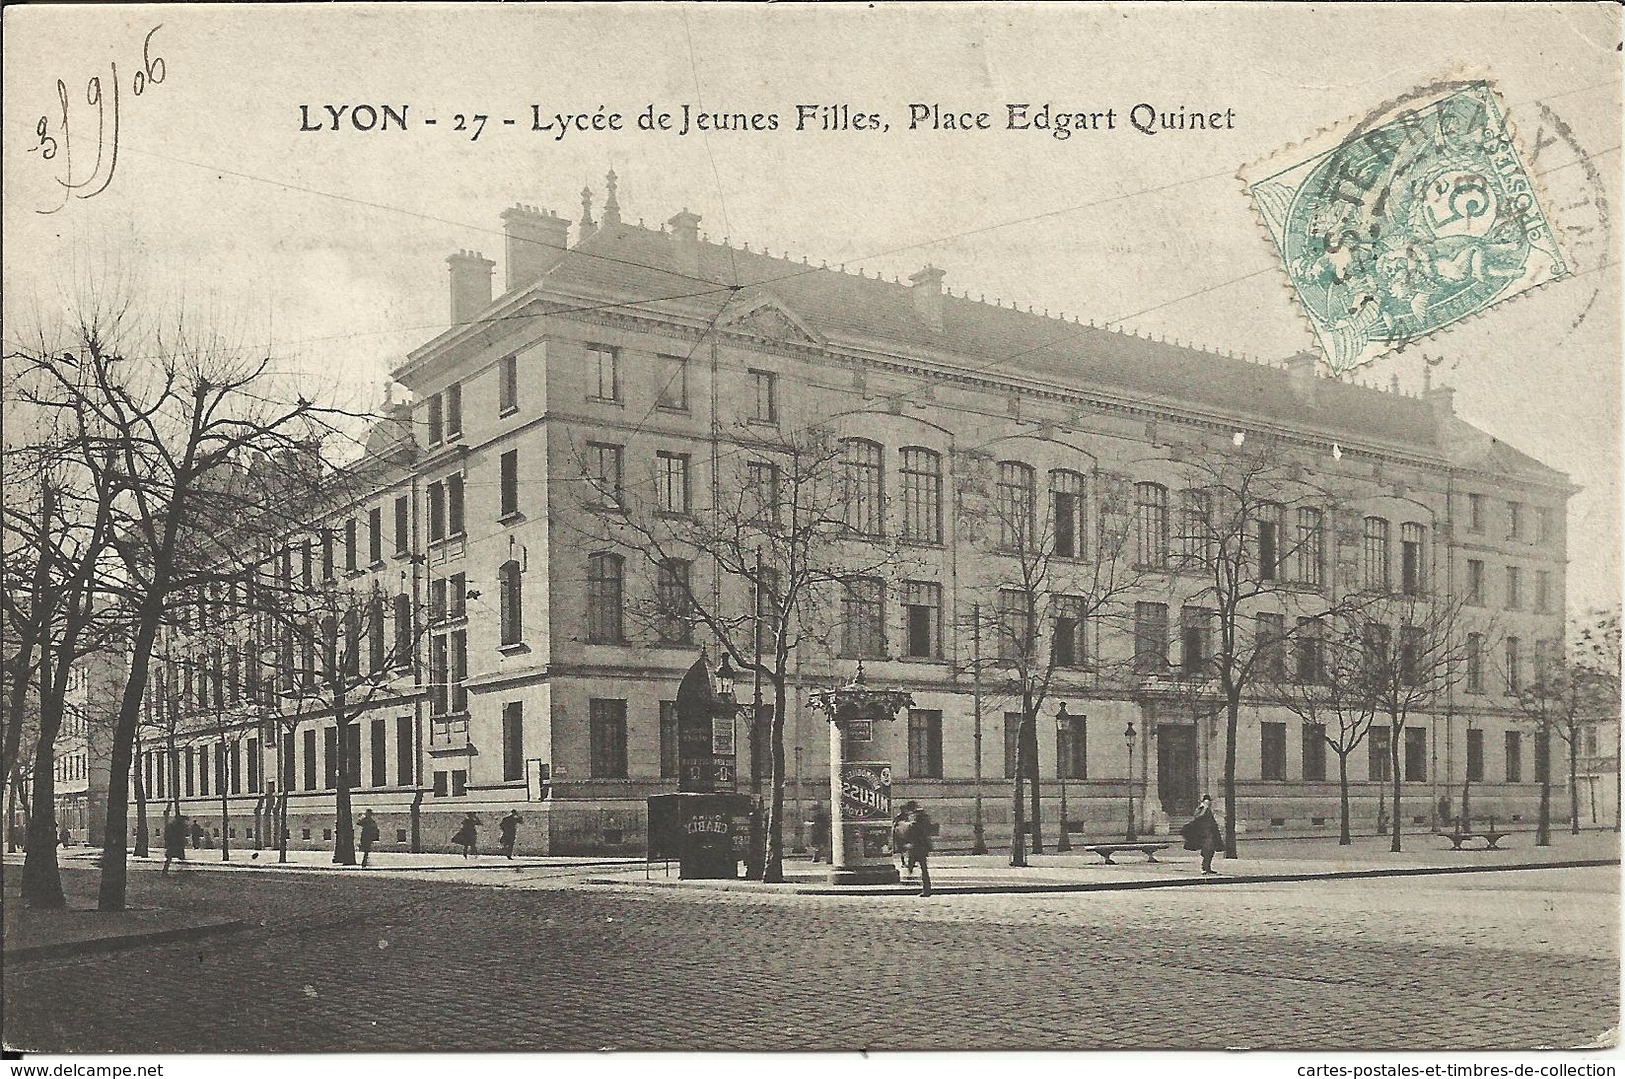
1314	751
924	743
1416	755
1272	750
608	736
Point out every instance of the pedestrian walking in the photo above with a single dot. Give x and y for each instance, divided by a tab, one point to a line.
917	843
175	843
1203	834
899	837
66	837
467	835
369	835
509	826
197	836
818	831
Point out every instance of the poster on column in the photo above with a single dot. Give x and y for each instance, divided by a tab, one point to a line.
866	791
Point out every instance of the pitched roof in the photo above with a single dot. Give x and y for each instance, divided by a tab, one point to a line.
868	312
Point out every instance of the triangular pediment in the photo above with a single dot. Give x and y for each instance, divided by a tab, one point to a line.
762	314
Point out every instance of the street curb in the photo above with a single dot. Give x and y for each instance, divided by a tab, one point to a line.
1100	886
96	945
328	867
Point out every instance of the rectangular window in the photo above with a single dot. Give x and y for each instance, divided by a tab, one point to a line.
402	529
1072	747
202	769
459	670
437	420
404	756
1543	524
671	393
438	669
510	483
1150	638
1378	758
605	461
1543	591
1196	641
864	486
1514	756
1272	750
375	535
513	741
766	387
441	786
1012	743
1475	513
1151	525
1015	625
670	761
604	368
1066	514
1591	740
1308	664
1267	529
761	493
1376	554
1543	758
507	384
459	782
1411	576
924	743
1514	520
437	511
922	495
1269	641
1196	532
1475	582
352	753
1416	755
1514	665
608	736
330	758
1067	645
863	618
922	612
1314	752
1412	644
604	608
1311	547
1514	588
310	759
674	622
454	504
378	752
350	545
454	410
671	482
1475	663
1475	755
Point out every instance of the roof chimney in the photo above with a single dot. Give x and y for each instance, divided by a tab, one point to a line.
1443	400
470	285
1303	371
927	289
536	240
685	235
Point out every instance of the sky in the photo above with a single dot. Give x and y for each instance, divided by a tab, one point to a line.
325	249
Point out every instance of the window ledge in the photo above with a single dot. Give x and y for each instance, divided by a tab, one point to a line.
905	541
616	401
377	563
511	518
922	659
681	410
757	422
517	648
506	412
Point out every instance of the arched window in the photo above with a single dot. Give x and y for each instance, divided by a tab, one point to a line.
922	495
1376	554
1412	557
1151	524
1018	485
865	486
604	576
511	607
1068	513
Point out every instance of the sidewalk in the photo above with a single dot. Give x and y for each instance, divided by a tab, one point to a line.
322	860
1260	861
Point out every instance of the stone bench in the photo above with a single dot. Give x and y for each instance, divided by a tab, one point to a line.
1491	840
1106	850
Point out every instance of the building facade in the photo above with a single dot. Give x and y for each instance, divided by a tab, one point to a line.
654	365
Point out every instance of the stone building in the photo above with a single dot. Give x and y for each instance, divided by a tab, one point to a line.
651	362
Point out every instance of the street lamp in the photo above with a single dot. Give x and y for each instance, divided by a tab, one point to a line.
726	677
1063	753
1128	744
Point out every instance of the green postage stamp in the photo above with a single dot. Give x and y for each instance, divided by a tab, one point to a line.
1414	219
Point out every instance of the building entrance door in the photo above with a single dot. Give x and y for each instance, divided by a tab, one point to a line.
1176	769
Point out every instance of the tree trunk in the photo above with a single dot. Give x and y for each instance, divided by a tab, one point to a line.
1465	821
115	870
1395	731
1543	826
282	826
225	810
42	877
344	827
1574	784
1232	721
142	839
14	781
1029	727
773	865
1344	836
1018	822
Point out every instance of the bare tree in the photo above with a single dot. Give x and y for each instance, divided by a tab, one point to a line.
1570	690
1326	687
1052	582
784	539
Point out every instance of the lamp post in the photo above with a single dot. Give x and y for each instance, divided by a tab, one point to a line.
1128	744
1063	756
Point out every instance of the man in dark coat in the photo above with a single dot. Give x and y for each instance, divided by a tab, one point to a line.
818	831
509	826
917	842
369	835
1203	834
175	843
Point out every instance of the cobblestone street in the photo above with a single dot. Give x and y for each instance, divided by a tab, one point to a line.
1502	960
